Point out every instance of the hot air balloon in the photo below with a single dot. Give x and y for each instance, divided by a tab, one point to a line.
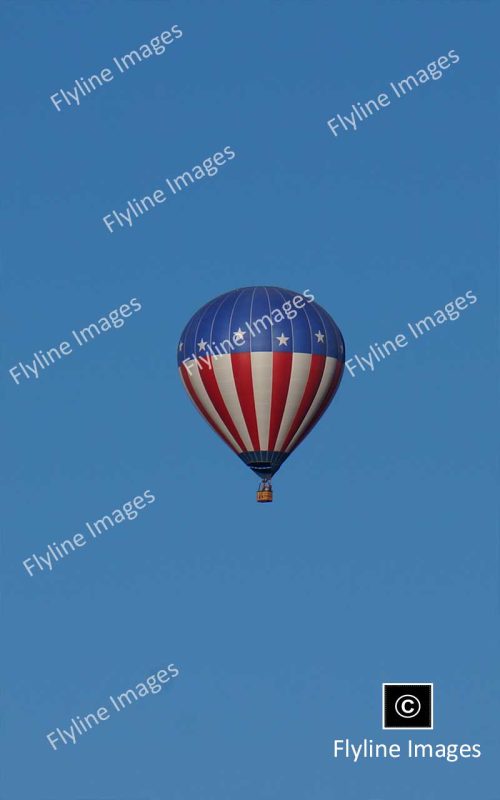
262	364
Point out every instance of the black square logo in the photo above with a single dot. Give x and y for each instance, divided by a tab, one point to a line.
407	706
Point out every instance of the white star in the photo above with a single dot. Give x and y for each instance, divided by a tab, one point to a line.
201	344
320	336
181	345
239	335
283	339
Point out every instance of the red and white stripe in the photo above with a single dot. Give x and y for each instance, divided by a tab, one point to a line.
262	401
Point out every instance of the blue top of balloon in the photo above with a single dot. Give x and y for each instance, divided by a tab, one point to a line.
261	319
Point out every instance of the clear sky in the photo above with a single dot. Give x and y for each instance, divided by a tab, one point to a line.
377	560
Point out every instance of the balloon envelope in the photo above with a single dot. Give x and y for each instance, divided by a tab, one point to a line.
261	364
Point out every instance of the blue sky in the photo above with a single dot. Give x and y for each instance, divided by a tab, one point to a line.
377	560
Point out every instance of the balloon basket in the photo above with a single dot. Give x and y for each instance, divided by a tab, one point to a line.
265	493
